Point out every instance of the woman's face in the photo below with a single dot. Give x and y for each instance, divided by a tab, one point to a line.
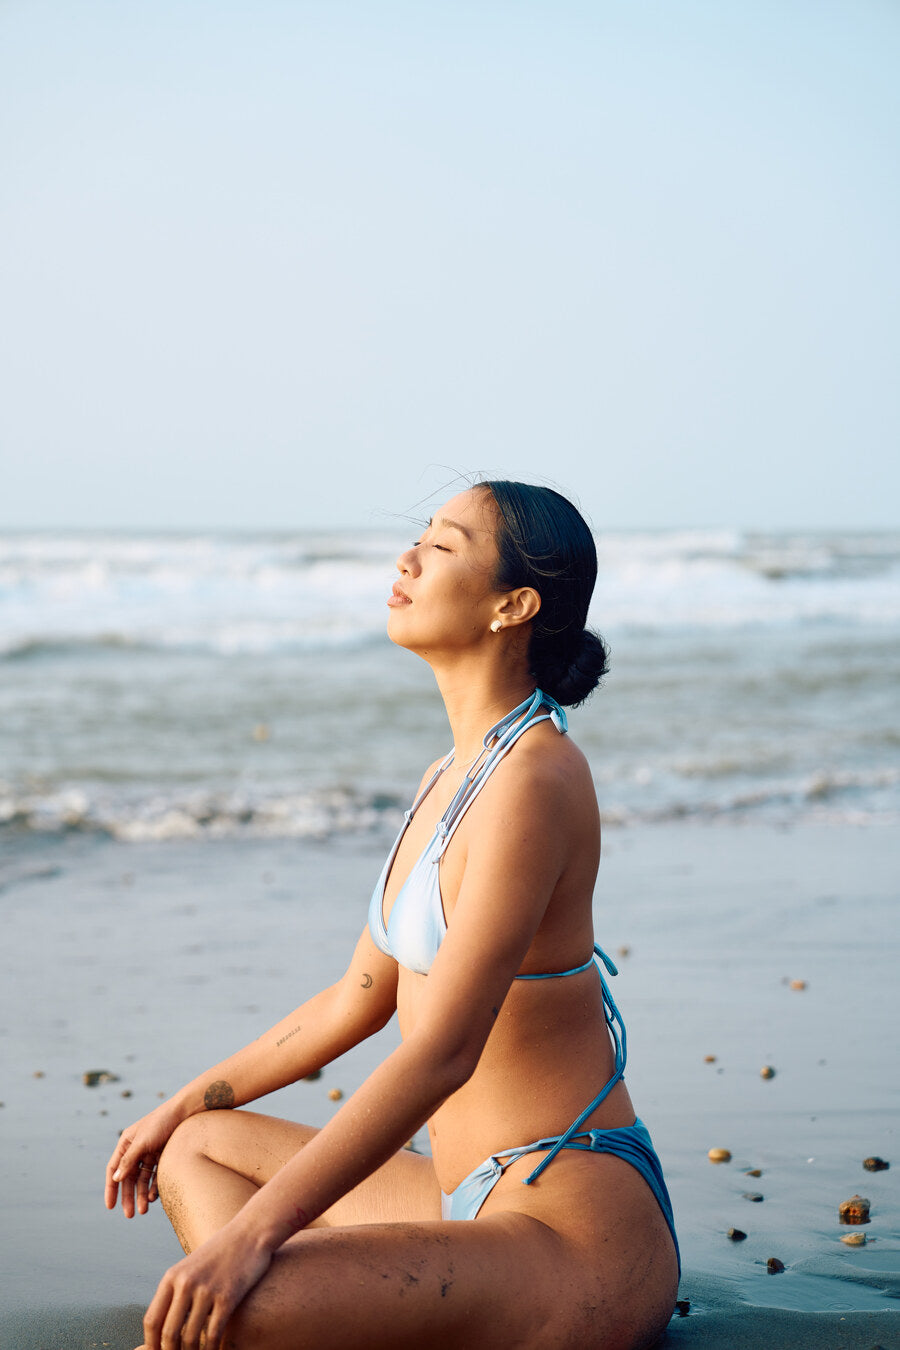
444	598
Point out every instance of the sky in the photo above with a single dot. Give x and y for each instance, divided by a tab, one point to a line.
299	263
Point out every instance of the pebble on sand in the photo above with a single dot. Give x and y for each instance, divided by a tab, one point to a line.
752	1195
709	1059
854	1210
335	1094
261	732
774	1266
624	950
753	1172
854	1239
736	1234
719	1155
683	1306
875	1164
38	1073
798	984
94	1077
767	1071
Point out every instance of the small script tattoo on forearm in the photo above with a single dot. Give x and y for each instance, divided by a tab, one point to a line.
367	980
218	1096
281	1040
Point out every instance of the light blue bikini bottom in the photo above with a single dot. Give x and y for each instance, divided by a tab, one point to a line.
632	1143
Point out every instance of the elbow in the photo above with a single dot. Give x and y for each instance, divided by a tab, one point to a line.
449	1063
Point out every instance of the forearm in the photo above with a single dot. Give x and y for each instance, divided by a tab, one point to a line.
394	1102
311	1036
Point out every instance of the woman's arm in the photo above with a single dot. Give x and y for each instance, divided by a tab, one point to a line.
313	1035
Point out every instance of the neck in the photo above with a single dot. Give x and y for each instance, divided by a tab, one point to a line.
476	699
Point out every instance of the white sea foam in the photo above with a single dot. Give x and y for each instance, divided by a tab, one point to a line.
751	675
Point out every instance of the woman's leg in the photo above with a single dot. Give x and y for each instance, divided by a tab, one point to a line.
216	1161
582	1258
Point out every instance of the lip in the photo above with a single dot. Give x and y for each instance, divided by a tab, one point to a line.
398	597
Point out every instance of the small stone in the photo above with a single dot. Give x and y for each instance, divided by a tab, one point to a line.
875	1164
798	984
709	1059
126	1092
854	1239
38	1073
94	1077
311	1077
737	1234
774	1266
719	1155
752	1195
767	1071
854	1210
335	1094
753	1172
623	951
261	732
683	1306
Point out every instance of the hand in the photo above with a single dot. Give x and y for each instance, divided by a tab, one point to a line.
134	1159
196	1297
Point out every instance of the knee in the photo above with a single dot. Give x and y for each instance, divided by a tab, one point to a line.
187	1142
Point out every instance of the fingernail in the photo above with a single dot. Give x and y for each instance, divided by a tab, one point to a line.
115	1176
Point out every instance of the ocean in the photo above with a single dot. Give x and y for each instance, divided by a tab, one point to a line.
160	686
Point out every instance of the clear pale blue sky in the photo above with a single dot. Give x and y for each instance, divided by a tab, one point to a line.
276	263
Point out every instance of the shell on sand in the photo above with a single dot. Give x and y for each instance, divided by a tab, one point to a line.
719	1155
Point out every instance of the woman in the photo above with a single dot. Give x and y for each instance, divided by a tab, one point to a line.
480	937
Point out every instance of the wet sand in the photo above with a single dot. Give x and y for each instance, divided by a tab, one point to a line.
152	961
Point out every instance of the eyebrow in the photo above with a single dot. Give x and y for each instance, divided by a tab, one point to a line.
452	525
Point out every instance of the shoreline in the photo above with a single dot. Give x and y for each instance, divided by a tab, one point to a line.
113	948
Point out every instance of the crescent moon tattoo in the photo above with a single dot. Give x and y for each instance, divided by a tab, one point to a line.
367	980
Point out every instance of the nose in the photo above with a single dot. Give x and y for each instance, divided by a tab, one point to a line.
408	561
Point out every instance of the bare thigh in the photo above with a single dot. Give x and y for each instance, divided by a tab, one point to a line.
580	1259
215	1161
507	1282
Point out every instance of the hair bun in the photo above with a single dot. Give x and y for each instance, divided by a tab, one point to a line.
571	673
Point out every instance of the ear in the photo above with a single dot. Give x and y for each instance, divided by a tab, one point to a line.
520	606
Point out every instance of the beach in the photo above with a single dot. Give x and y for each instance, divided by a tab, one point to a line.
206	744
150	961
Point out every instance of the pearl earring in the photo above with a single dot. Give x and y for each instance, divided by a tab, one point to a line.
496	626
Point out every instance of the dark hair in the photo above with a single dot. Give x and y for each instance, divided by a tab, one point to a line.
544	542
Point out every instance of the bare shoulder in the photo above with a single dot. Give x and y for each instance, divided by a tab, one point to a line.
548	775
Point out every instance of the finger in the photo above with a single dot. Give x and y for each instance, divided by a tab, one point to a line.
177	1315
216	1327
127	1184
142	1185
155	1316
111	1190
192	1329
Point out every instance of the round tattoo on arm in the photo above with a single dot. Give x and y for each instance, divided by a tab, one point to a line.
218	1096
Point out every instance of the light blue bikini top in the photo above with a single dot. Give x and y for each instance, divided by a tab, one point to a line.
417	925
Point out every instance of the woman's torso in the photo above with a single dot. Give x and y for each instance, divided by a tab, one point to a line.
549	1053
